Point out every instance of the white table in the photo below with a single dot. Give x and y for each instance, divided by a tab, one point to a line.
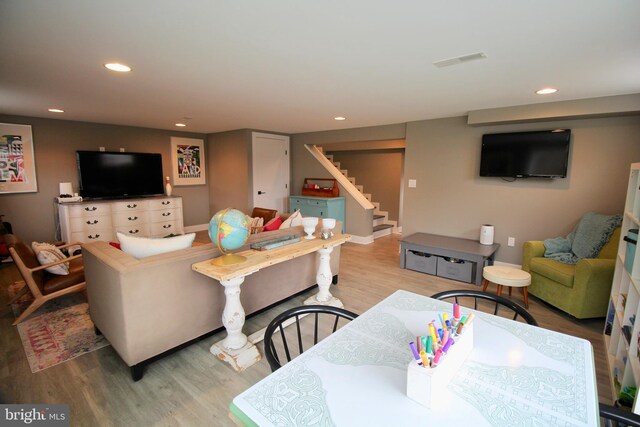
237	349
517	374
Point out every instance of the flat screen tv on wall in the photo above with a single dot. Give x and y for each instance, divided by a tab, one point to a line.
112	175
539	154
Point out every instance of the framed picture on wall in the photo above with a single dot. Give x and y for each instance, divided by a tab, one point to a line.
17	162
187	161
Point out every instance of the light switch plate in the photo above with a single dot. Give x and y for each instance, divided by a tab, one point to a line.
412	183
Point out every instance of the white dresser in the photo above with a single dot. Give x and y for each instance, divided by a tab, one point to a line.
101	219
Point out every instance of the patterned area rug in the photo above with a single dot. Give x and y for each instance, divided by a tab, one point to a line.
58	331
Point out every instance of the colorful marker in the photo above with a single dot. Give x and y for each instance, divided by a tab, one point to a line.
436	358
470	318
432	329
425	359
416	353
456	311
429	345
445	337
449	343
424	344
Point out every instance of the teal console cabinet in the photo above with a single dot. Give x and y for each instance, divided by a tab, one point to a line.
321	207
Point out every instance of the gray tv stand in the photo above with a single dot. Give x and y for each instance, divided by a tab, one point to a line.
450	257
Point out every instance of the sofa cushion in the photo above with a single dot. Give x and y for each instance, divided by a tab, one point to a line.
141	247
610	250
48	253
554	270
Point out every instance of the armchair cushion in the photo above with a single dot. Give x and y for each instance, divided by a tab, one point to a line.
554	270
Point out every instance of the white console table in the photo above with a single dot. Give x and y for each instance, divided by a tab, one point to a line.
237	349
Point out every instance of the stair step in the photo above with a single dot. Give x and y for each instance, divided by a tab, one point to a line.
376	216
382	227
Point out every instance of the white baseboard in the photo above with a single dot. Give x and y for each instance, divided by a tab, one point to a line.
506	264
361	240
194	228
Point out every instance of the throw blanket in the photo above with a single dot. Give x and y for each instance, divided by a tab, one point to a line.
585	241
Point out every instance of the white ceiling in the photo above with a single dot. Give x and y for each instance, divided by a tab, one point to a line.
293	65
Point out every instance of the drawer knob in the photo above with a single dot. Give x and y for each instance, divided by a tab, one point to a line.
134	231
90	209
166	213
166	202
133	219
166	226
132	206
93	237
95	221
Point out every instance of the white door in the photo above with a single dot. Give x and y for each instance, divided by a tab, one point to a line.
270	162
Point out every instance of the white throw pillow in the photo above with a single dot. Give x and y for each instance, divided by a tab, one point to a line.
48	253
291	221
141	247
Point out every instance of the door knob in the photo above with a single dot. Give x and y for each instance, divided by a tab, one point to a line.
262	192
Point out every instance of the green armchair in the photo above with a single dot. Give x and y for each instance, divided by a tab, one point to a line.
583	289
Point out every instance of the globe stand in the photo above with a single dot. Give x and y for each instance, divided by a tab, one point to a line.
228	259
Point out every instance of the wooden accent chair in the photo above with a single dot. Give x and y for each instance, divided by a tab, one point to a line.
266	215
43	285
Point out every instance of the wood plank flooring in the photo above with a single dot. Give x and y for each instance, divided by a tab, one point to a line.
192	387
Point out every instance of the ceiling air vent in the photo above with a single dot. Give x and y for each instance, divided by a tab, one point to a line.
460	59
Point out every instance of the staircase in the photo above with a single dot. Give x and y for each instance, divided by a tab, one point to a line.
382	225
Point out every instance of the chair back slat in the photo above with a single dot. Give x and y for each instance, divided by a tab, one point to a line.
323	323
499	301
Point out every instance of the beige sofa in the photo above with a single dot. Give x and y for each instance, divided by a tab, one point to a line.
150	306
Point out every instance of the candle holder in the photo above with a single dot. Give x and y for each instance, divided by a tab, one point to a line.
309	224
328	224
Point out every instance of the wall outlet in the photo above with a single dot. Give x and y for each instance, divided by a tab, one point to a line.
122	150
511	241
101	148
412	183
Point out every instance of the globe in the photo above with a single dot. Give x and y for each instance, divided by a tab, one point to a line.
229	230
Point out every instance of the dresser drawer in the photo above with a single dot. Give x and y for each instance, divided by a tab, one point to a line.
161	229
138	230
94	209
90	223
164	215
130	206
126	219
168	203
90	236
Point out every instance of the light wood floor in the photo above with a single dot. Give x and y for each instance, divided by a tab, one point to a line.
191	387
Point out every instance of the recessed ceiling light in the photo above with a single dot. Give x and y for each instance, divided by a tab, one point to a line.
181	125
339	118
115	66
546	91
56	110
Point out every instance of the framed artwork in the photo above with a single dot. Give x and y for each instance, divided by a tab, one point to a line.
17	162
188	161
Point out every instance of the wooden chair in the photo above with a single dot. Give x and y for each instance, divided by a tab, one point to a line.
43	285
266	215
494	301
321	313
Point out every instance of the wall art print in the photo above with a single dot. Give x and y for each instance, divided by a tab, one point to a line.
17	162
188	161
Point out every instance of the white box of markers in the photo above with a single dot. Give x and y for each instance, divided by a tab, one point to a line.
424	383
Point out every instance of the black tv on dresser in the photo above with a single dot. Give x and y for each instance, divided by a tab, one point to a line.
113	175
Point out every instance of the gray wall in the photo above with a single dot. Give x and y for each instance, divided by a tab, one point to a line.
230	170
451	199
379	171
55	143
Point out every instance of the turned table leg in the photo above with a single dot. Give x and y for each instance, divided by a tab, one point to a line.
324	278
235	349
